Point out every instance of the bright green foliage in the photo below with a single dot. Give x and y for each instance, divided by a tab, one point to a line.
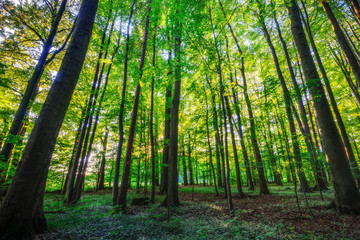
23	28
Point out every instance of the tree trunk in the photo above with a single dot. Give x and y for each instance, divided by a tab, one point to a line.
348	148
31	88
241	135
210	148
259	164
103	160
121	113
245	155
184	164
217	142
288	101
21	214
71	162
172	197
347	197
219	70
236	158
165	160
152	198
85	130
191	172
356	7
341	38
121	201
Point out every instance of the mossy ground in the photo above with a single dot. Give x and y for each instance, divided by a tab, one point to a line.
202	215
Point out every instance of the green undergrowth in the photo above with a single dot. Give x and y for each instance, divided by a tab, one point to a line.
94	217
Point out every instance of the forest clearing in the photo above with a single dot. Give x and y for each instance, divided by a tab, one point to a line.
202	215
179	119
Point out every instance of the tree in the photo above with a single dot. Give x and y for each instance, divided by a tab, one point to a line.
341	38
32	86
121	201
21	214
347	197
172	197
151	126
288	103
122	109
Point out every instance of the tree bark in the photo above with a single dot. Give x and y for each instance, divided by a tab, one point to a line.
122	110
218	146
184	164
219	70
259	164
165	160
103	161
210	148
288	101
356	7
347	197
236	157
345	138
191	172
241	135
152	198
245	155
172	197
70	185
341	38
21	214
121	201
30	92
71	162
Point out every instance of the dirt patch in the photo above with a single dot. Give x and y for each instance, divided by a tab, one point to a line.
279	210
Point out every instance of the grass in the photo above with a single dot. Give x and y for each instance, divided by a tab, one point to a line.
94	218
205	217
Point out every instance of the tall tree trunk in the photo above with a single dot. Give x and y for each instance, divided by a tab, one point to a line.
348	148
356	8
288	102
341	38
127	162
210	148
245	155
140	156
190	161
121	112
157	155
218	147
21	214
347	197
63	191
320	182
103	161
342	64
219	70
271	153
259	164
165	160
184	163
236	158
172	197
85	131
196	162
152	198
31	88
241	135
145	157
80	180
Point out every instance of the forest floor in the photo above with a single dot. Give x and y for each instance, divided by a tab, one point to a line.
202	215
